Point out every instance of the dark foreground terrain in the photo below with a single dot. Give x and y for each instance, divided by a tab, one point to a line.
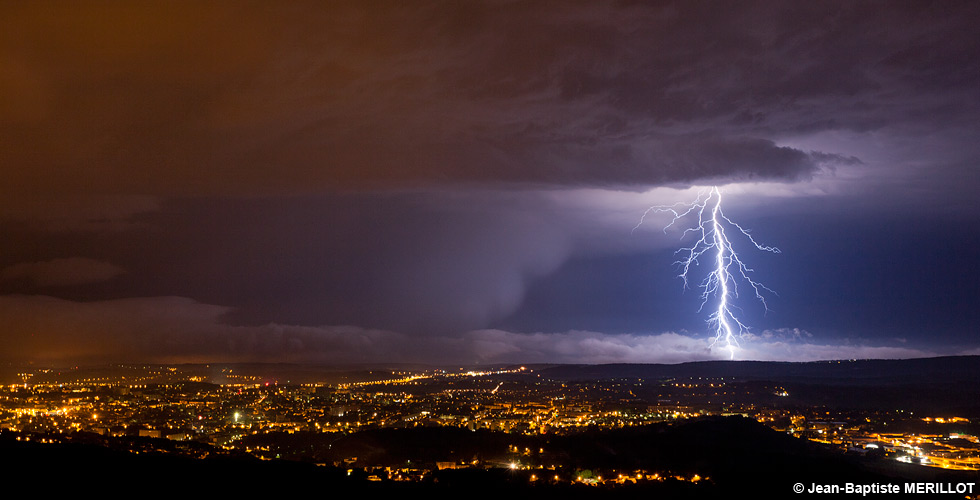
732	455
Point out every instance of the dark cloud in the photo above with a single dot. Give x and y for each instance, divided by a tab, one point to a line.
167	329
79	211
425	262
62	272
230	98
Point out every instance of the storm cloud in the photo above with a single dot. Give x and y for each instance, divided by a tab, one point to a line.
183	98
455	173
62	272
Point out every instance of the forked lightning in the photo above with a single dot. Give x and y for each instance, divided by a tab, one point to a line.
708	224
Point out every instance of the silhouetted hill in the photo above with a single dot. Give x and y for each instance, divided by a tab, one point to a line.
950	369
733	454
935	386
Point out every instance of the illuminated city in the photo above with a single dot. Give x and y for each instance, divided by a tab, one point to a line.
208	411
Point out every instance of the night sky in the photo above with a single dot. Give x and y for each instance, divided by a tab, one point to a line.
458	182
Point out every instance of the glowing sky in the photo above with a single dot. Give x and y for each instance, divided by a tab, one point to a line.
456	182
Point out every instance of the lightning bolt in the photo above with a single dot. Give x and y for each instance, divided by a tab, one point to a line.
709	224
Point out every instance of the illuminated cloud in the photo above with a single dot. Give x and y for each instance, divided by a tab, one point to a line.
176	329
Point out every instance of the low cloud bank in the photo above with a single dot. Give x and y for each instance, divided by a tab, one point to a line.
177	329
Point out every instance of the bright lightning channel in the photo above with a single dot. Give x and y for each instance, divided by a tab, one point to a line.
708	224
